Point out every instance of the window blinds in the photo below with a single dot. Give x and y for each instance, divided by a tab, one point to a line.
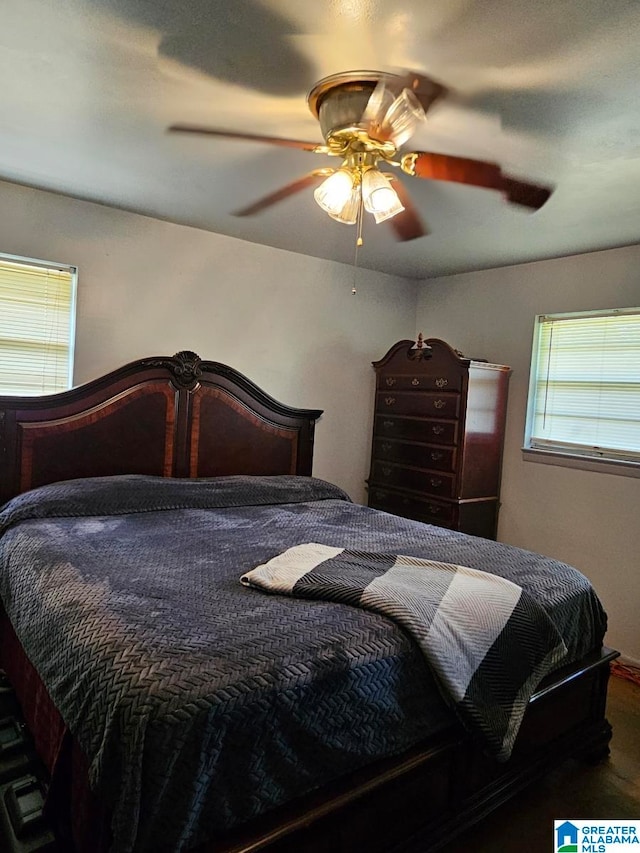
586	384
36	327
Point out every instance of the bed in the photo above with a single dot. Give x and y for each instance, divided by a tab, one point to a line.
175	709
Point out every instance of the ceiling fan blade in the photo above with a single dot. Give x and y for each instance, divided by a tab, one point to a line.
296	186
477	173
408	224
251	137
521	192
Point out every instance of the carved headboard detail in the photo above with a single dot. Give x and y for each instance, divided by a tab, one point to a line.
172	416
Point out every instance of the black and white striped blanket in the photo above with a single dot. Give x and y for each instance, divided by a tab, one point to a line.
488	642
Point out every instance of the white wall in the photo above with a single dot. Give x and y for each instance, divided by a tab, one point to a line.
288	322
590	520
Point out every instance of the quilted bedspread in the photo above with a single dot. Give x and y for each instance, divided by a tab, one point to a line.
199	703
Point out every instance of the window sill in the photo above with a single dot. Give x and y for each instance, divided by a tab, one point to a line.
584	463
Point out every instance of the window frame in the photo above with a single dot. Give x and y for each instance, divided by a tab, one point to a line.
581	457
72	269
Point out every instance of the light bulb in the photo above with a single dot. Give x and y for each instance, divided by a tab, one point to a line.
335	192
382	199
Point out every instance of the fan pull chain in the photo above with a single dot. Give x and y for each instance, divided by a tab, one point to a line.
354	290
359	242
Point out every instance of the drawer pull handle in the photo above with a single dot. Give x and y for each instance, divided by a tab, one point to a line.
415	381
390	381
437	429
386	471
439	404
436	455
435	482
433	509
388	424
386	446
389	401
441	382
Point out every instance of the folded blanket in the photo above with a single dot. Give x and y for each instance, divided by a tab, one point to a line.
488	642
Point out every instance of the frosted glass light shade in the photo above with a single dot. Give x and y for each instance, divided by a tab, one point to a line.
379	197
335	192
387	214
348	214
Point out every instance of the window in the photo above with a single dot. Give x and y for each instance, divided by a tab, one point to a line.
37	319
584	396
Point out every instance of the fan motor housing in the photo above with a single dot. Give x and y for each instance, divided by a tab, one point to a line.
340	100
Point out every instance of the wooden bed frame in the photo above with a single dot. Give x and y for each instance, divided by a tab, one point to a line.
180	416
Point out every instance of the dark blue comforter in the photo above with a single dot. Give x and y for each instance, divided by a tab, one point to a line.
199	703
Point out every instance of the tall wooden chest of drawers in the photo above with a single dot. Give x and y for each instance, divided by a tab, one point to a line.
438	435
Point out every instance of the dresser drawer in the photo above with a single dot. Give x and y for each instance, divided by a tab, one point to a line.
436	381
431	482
417	455
416	429
418	403
434	511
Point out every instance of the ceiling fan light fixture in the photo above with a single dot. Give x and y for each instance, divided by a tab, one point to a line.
403	118
366	117
379	196
335	192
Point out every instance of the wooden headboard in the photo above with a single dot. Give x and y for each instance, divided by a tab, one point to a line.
172	416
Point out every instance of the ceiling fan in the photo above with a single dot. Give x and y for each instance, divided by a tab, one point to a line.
365	118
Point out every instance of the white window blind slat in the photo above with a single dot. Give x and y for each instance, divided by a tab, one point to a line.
586	384
37	304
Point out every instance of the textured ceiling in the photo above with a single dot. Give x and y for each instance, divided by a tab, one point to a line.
548	89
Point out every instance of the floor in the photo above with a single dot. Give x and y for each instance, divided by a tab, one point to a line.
609	790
